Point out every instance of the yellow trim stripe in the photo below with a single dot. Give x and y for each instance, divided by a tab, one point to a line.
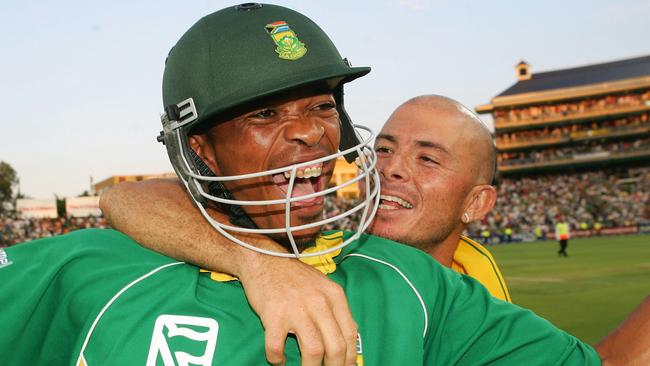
489	258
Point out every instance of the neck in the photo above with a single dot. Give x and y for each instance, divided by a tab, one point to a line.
443	251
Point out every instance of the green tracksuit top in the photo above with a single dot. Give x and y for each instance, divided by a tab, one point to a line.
95	297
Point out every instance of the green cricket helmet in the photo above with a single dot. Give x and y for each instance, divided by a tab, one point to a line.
236	56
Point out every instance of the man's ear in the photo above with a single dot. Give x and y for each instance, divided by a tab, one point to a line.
205	150
481	201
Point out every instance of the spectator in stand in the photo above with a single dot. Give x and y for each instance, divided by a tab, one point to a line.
485	236
598	227
508	233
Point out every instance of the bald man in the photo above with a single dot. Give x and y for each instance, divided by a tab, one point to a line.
437	161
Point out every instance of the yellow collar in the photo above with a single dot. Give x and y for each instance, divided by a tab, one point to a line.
324	262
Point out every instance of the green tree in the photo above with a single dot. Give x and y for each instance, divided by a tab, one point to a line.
8	179
60	206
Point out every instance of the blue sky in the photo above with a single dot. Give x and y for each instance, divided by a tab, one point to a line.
80	81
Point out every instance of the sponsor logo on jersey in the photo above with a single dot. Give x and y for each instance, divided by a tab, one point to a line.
180	340
4	259
289	46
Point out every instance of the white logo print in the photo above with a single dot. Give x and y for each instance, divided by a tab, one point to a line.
4	260
169	326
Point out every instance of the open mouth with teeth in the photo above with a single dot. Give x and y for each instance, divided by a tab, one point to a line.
388	202
309	179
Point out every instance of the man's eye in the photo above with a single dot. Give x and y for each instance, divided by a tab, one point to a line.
382	149
427	159
326	106
264	113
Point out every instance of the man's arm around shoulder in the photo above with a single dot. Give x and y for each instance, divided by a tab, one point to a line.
289	296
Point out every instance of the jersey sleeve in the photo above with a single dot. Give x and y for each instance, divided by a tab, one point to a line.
49	293
476	328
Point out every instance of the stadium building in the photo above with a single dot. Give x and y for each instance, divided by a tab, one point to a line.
102	186
571	118
573	142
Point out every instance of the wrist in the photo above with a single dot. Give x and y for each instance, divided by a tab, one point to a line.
252	265
250	262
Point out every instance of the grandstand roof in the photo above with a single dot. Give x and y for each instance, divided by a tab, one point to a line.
581	76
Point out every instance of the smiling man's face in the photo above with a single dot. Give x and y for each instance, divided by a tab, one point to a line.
426	168
276	132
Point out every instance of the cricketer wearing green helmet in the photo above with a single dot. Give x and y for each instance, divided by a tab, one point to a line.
238	57
95	297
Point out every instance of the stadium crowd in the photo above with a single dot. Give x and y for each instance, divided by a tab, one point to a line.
531	206
551	111
528	206
611	198
548	135
590	148
14	230
17	230
335	206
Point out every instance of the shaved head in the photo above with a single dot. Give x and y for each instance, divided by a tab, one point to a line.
436	161
476	134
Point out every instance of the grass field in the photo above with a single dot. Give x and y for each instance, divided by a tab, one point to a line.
586	294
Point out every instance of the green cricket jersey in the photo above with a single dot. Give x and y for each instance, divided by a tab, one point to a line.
95	297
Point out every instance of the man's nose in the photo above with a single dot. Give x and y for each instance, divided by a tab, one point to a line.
393	168
304	130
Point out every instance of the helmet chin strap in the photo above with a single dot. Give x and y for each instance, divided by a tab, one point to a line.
236	213
349	137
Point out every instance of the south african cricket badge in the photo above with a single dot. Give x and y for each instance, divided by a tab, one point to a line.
289	46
